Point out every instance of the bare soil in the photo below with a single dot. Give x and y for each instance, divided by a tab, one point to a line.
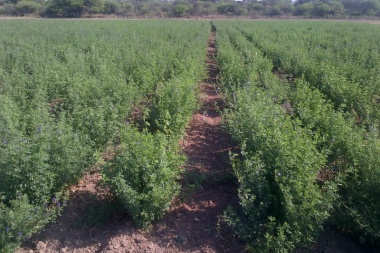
191	225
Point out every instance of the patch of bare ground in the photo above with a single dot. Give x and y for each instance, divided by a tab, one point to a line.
191	225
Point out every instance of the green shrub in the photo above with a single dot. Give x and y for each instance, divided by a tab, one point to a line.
8	9
340	112
174	103
27	7
143	174
282	207
354	153
19	220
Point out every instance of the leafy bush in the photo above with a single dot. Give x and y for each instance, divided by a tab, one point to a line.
181	10
65	94
282	207
8	9
174	103
42	163
334	107
19	219
322	55
111	7
27	7
143	174
353	152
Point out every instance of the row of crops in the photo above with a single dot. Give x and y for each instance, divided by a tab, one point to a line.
303	102
341	60
69	90
304	105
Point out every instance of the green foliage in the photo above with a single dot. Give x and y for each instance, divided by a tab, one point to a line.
328	109
353	153
279	158
111	7
304	9
322	10
186	8
94	6
230	9
27	7
173	105
42	162
180	10
370	7
277	176
19	220
143	174
66	8
8	9
343	71
144	170
66	90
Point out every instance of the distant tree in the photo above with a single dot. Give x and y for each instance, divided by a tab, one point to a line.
94	6
304	9
321	9
66	8
300	2
74	8
8	9
153	9
180	10
111	7
207	8
274	11
256	6
284	7
230	9
25	7
350	4
270	2
126	8
197	6
11	1
336	8
369	7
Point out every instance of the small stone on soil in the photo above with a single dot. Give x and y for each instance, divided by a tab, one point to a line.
41	245
138	240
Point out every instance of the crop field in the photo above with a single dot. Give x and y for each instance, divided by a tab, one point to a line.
67	89
302	100
304	104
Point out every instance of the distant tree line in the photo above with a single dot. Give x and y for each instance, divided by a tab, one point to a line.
192	8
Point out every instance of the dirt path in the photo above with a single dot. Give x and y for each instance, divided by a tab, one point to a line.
191	225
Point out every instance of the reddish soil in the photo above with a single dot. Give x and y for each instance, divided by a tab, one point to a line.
191	225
